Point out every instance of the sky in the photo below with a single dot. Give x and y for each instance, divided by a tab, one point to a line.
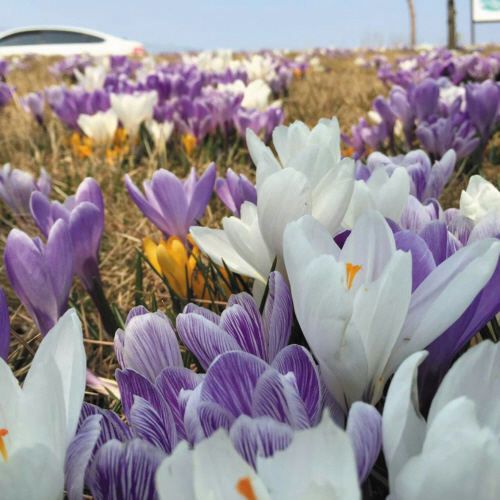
166	25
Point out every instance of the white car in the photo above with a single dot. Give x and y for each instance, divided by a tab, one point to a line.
64	41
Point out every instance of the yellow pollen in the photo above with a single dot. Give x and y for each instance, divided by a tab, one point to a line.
351	271
244	488
3	449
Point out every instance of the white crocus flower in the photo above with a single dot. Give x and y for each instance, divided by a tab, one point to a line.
236	87
100	127
479	198
160	132
256	95
356	308
92	78
240	245
314	181
38	420
133	109
387	195
259	67
454	454
319	464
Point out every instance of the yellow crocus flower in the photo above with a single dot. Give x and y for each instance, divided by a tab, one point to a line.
81	147
189	142
170	258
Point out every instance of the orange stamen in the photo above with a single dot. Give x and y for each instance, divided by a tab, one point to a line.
244	487
3	449
351	271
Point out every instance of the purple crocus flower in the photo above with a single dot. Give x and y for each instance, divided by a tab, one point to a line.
105	456
84	214
402	106
4	69
260	405
125	471
234	190
440	235
4	327
16	187
34	104
426	181
483	106
172	205
41	275
239	389
5	94
148	344
426	99
241	326
441	135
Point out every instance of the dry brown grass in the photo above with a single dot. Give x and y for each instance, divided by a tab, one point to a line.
346	91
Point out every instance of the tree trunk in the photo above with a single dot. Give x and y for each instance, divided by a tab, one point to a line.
413	24
452	32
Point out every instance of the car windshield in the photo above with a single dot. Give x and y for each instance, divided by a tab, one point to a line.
43	37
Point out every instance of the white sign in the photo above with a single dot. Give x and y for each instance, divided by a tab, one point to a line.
485	10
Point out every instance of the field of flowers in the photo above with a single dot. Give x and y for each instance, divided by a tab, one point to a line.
250	276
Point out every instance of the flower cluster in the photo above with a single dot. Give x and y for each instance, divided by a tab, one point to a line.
335	337
437	101
192	98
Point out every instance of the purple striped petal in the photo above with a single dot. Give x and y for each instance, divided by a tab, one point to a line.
213	417
133	384
170	383
461	227
203	338
154	424
415	216
277	396
231	381
191	401
149	345
78	456
244	329
435	235
136	311
452	245
112	427
4	327
440	173
364	427
125	471
248	303
195	309
421	257
278	315
297	360
259	437
487	227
